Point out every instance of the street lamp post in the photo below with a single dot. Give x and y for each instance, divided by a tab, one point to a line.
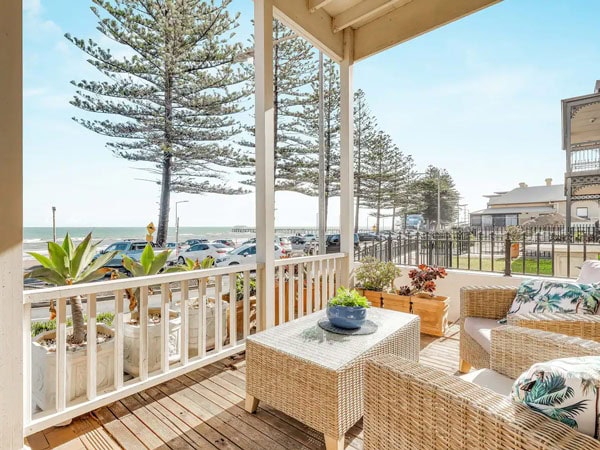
177	226
54	224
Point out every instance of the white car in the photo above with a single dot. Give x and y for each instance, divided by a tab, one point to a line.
201	251
246	254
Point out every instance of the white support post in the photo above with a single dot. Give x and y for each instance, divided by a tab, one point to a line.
12	338
346	158
265	181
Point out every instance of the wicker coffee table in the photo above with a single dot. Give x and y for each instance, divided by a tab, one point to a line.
316	376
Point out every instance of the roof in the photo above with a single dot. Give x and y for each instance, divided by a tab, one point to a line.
531	194
516	210
377	24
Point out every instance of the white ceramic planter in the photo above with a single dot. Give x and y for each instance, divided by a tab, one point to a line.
194	330
131	344
43	369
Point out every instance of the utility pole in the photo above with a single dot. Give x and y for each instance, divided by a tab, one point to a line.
54	224
439	202
322	206
177	227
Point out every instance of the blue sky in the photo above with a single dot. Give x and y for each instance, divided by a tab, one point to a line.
479	97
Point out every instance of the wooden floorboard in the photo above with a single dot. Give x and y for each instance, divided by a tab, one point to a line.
204	410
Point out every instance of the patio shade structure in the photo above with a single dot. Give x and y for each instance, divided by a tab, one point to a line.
346	30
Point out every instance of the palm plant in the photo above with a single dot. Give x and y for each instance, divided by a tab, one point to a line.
67	265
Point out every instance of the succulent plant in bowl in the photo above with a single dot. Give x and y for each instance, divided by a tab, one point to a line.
348	309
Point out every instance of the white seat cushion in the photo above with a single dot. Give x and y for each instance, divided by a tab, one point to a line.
481	330
489	379
590	272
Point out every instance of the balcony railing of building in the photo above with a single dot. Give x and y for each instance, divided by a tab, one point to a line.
138	349
585	160
548	251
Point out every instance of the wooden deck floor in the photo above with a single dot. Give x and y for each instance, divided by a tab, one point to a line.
204	410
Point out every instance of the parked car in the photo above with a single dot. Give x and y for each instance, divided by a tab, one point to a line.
249	241
227	242
246	254
191	242
366	237
297	240
309	237
332	243
132	248
201	251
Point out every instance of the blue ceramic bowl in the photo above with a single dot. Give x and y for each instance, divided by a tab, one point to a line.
348	317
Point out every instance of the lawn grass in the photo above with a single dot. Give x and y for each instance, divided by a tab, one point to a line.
516	266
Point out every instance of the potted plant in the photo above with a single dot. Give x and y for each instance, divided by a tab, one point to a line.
149	264
432	309
67	265
194	311
376	279
514	233
348	309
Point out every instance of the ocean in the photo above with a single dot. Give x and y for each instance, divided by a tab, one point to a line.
35	238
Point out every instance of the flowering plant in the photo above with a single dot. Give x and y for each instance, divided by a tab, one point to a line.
422	280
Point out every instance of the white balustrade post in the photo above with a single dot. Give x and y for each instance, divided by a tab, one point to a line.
346	158
12	394
265	183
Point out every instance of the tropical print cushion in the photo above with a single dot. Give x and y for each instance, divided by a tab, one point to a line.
566	390
537	296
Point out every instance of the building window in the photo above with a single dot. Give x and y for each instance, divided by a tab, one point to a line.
582	212
475	221
499	221
512	219
486	221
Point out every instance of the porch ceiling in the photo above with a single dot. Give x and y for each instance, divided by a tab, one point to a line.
377	24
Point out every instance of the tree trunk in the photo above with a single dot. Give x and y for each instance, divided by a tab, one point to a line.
357	195
79	329
275	105
167	167
393	217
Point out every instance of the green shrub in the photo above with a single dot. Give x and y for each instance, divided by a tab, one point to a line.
49	325
346	297
375	275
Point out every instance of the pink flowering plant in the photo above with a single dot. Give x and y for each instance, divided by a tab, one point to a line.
422	280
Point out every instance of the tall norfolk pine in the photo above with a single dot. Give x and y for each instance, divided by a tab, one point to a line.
173	102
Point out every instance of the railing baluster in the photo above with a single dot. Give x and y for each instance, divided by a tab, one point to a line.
202	317
318	284
61	355
118	325
537	252
246	313
281	295
164	327
300	289
291	292
143	324
309	287
232	309
331	276
91	363
219	333
27	389
184	296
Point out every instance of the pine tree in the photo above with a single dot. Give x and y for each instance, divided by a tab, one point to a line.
173	102
308	170
379	174
294	70
365	129
401	187
428	196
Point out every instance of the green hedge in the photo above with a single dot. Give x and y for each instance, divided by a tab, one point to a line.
48	325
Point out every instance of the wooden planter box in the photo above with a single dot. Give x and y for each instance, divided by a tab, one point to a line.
433	312
396	302
387	300
239	312
514	250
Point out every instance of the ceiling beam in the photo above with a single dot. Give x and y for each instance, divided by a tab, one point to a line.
314	27
363	10
412	20
313	5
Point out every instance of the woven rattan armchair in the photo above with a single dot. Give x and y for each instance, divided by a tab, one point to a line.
410	406
494	302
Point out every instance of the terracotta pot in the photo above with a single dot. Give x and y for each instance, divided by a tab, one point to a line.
514	250
433	312
396	302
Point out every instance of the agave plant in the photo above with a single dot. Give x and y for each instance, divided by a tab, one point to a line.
67	265
150	264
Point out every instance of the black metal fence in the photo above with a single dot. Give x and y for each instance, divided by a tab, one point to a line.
548	251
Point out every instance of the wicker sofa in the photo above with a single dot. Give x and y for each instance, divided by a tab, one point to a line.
482	307
410	406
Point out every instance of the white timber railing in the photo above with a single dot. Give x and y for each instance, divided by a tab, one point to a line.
140	349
